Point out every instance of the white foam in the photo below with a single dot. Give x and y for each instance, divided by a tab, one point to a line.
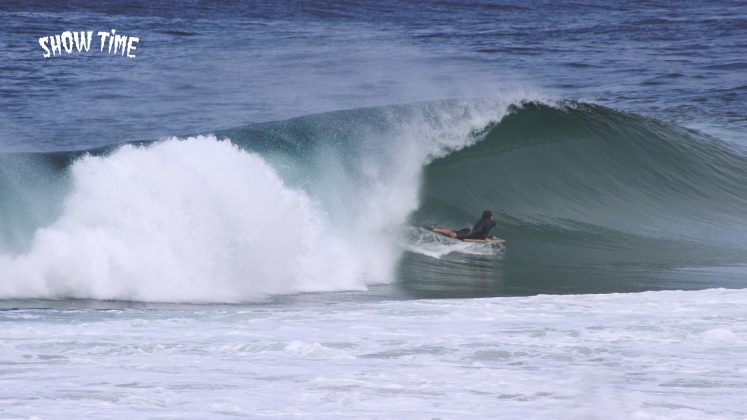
425	242
616	356
194	220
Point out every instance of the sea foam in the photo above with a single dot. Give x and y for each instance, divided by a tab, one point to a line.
181	220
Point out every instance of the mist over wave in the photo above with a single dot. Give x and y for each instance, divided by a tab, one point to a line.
590	199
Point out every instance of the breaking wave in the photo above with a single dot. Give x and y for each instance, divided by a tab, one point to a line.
339	201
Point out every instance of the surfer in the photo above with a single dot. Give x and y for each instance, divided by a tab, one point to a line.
479	231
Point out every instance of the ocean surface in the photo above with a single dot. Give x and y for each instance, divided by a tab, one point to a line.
235	222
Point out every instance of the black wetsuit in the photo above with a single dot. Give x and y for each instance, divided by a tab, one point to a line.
479	231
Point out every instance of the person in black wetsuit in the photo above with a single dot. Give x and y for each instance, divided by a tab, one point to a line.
481	230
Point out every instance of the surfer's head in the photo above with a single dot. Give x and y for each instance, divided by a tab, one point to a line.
487	214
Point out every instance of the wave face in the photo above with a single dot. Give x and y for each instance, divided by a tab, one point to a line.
590	200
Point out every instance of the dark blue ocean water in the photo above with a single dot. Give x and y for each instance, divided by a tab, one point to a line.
202	66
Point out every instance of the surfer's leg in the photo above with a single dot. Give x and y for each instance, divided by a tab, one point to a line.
448	232
462	233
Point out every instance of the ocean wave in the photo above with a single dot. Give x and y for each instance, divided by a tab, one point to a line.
585	195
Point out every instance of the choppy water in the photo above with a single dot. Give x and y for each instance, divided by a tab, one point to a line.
286	158
593	356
